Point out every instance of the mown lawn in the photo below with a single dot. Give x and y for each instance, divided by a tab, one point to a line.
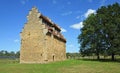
68	66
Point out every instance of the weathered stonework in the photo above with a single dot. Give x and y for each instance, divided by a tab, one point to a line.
41	40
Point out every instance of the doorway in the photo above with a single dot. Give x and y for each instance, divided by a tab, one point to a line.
53	57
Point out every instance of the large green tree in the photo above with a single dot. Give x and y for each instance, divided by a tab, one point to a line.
90	38
101	31
109	17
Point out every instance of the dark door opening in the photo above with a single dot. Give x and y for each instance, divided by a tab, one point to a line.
53	57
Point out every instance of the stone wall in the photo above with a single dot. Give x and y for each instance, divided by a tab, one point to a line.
55	49
37	45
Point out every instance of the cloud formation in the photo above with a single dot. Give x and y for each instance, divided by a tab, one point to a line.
77	25
63	30
90	11
85	15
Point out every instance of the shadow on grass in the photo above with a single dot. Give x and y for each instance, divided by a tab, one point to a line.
101	60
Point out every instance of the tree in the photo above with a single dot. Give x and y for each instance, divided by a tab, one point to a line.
101	31
90	36
72	55
10	55
17	54
110	22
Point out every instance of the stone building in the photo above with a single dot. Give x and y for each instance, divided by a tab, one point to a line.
41	40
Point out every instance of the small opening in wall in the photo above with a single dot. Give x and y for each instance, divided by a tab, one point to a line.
53	57
41	54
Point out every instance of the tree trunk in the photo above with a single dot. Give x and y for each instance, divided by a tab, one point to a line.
113	56
98	57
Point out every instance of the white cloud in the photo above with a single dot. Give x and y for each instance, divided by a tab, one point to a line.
77	26
16	40
90	11
67	13
63	30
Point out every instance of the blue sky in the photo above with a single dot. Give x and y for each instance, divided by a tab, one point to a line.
68	14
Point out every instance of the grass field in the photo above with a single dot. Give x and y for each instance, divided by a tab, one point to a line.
68	66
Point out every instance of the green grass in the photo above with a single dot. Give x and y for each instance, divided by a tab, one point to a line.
68	66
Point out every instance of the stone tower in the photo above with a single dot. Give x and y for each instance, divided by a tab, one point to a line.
41	40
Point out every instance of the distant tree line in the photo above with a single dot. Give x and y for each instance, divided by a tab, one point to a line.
73	55
101	32
9	55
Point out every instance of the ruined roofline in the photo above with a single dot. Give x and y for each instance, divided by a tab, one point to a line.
55	25
55	33
58	35
49	20
40	15
46	18
52	24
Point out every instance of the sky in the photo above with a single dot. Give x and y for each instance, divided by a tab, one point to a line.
68	14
